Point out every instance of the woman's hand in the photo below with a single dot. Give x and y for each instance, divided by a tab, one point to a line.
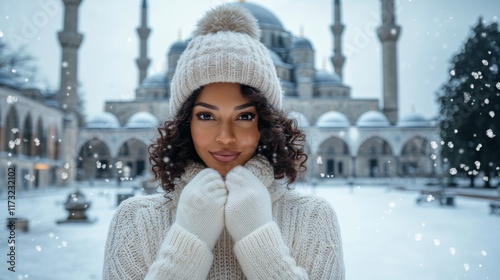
201	206
248	205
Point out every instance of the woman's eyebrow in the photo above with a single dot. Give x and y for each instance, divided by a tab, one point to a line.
243	106
239	107
203	104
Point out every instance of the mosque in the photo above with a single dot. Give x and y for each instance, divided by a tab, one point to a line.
347	137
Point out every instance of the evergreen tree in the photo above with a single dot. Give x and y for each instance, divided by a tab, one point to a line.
470	107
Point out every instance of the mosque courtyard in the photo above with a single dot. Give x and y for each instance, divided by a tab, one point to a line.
386	235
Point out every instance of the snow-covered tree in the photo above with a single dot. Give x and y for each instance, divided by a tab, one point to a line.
16	67
470	107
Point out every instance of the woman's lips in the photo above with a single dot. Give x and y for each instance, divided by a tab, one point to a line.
225	156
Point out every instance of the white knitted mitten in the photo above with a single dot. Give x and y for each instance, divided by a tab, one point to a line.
248	205
201	206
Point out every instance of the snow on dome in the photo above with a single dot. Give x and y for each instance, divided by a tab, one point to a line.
276	58
301	43
414	120
142	120
104	120
265	18
301	118
326	78
372	119
333	119
178	46
158	80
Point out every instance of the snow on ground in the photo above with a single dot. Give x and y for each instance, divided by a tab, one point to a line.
385	235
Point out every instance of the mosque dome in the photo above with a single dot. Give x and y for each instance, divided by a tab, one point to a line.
372	119
104	120
142	120
276	58
326	78
265	18
332	119
178	46
301	43
414	120
158	80
301	118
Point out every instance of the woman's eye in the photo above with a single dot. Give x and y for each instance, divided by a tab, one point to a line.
204	116
246	116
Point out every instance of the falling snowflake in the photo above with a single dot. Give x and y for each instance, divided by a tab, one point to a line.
419	236
452	72
466	266
66	165
478	164
319	160
64	175
29	177
450	144
498	85
453	171
478	147
492	114
13	99
434	145
467	95
37	141
490	133
436	242
119	164
483	252
453	250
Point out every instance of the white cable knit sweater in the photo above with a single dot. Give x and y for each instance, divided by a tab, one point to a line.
302	242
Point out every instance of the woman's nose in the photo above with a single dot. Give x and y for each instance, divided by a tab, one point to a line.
226	134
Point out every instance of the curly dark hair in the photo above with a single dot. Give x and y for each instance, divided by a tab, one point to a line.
281	142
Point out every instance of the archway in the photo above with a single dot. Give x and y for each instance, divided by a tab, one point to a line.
333	159
375	159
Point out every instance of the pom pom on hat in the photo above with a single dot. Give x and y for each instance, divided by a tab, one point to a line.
225	48
228	18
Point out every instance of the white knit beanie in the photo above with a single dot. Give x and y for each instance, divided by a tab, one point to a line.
225	48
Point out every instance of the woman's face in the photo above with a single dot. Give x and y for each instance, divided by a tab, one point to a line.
224	127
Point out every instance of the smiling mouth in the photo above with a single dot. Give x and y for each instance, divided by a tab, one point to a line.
225	157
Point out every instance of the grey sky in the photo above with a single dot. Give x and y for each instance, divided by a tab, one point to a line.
432	31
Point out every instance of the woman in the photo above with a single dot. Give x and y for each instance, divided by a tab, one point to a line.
225	160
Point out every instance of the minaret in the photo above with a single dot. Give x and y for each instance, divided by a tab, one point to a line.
143	61
70	41
388	33
337	28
